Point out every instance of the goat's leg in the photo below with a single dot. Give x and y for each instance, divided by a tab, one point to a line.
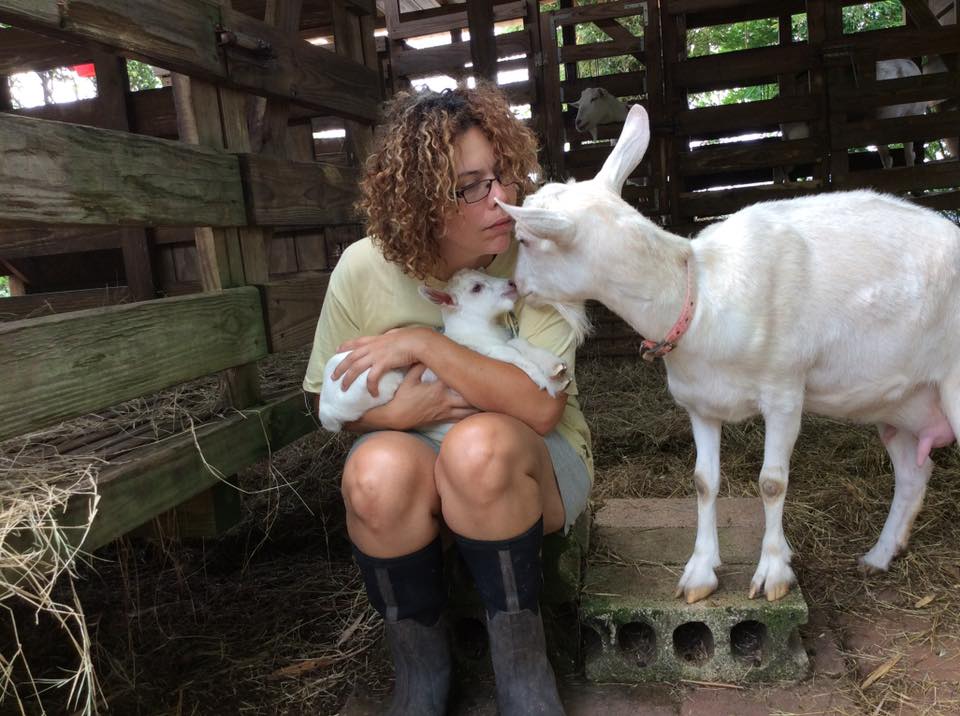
885	159
908	156
910	484
699	579
774	575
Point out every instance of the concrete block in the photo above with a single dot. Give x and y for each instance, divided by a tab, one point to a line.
634	628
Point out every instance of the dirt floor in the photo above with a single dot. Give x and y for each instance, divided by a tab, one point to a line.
271	618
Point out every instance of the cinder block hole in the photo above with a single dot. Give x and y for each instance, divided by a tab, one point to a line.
470	638
749	641
592	641
693	643
639	641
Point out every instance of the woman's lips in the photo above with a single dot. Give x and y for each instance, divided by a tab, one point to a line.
501	224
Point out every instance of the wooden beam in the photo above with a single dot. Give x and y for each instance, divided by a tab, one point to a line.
732	69
934	175
23	51
715	159
161	476
292	308
65	174
58	367
451	17
33	305
454	56
711	122
285	193
182	35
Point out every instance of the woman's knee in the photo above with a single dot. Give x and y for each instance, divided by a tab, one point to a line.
382	482
481	458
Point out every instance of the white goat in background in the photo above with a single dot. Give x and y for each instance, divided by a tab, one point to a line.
843	304
471	307
886	70
597	106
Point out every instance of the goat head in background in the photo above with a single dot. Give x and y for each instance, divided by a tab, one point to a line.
841	304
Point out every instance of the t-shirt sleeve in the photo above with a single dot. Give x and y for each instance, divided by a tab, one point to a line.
543	327
337	323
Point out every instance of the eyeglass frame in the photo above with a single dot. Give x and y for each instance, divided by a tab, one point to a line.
459	193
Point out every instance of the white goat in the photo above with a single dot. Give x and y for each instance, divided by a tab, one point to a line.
843	304
471	307
886	70
597	106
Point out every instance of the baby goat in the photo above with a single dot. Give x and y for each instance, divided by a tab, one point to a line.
471	306
597	106
843	304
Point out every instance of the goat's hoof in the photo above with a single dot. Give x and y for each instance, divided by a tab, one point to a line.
868	568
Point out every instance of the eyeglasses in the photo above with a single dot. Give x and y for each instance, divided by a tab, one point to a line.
478	191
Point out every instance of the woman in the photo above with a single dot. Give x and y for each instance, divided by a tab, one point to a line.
517	462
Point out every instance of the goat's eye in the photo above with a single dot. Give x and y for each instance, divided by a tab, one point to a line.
477	288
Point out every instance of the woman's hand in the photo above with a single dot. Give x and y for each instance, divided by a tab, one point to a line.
416	404
397	348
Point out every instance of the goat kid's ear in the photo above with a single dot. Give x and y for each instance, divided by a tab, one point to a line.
576	104
542	223
629	150
436	296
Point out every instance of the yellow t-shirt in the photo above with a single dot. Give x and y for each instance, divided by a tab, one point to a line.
369	295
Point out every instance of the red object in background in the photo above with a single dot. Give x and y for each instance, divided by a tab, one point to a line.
86	70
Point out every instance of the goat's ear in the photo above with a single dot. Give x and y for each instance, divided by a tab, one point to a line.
575	104
436	296
601	92
629	150
542	223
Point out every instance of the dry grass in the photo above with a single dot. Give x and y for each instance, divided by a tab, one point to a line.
271	617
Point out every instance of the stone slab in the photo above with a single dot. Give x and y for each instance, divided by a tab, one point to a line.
663	531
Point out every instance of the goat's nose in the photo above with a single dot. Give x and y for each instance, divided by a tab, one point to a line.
512	284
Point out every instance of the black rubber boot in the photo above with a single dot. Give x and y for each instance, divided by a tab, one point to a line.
525	680
421	661
409	593
508	576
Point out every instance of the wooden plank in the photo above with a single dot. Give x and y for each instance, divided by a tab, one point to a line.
714	203
743	13
43	11
888	131
58	367
745	67
940	201
292	308
159	477
285	193
599	11
897	42
454	56
182	35
717	121
24	51
934	175
906	90
600	50
33	305
715	159
177	34
55	173
301	72
50	241
428	22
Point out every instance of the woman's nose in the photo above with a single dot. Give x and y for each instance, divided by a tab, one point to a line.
501	191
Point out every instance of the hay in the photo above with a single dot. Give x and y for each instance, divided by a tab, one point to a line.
272	617
40	473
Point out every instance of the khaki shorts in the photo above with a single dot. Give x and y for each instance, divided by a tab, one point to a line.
573	480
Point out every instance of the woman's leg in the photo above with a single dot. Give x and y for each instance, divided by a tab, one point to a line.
498	495
393	519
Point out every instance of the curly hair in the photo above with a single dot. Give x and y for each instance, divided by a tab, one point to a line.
410	179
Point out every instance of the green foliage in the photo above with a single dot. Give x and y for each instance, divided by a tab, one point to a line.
872	16
141	76
4	286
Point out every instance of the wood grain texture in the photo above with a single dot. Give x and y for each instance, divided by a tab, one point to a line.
58	367
292	309
53	173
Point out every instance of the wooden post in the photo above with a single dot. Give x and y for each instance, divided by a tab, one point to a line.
551	100
483	47
6	101
349	36
113	87
673	28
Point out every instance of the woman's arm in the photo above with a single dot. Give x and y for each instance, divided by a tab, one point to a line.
486	383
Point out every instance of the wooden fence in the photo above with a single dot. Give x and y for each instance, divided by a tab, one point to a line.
63	182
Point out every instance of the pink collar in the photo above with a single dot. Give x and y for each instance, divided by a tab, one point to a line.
650	350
